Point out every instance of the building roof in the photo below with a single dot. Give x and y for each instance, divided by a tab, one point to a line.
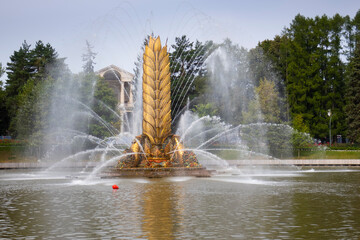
125	76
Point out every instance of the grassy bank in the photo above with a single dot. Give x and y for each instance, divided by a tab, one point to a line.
15	154
291	154
20	153
329	154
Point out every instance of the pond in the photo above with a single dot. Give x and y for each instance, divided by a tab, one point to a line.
241	204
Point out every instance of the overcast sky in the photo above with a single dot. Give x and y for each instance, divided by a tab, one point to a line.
116	29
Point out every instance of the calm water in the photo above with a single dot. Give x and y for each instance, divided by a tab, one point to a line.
257	205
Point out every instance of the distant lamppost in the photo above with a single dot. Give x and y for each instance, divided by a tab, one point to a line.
329	114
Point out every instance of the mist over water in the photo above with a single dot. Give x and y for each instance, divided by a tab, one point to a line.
67	117
240	133
213	138
229	70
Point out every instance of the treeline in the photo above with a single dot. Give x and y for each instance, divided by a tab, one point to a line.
298	78
301	77
314	57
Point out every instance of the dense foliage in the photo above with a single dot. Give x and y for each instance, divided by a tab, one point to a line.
311	58
41	96
3	112
187	71
353	97
297	77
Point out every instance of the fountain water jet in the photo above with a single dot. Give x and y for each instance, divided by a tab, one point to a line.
157	152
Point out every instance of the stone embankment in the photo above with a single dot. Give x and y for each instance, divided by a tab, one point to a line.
243	162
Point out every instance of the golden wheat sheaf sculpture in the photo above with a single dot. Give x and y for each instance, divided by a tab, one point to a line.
156	92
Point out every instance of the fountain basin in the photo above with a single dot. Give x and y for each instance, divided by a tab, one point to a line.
156	172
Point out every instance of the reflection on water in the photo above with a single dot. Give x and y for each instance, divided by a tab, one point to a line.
265	205
162	210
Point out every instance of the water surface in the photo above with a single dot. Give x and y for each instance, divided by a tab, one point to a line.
242	205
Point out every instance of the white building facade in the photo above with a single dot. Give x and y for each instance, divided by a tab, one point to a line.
121	82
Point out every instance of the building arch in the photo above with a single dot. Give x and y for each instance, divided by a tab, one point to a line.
121	82
112	75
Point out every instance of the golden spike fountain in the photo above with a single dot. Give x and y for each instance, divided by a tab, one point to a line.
157	147
156	92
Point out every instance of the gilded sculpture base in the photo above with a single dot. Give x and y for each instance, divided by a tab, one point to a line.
143	154
169	159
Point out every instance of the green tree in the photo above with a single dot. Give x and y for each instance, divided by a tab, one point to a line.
308	58
3	112
205	109
26	64
309	55
300	137
2	71
187	68
104	106
269	101
356	25
41	58
180	66
353	97
19	70
299	125
304	83
32	119
253	113
88	59
265	105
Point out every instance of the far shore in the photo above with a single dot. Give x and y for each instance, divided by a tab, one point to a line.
238	163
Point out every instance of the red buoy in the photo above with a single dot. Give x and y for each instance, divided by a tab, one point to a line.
115	186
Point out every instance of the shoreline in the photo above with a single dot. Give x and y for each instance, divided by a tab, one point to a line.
239	163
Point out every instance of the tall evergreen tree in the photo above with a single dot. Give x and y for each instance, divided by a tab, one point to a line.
356	25
43	56
2	71
3	113
186	66
335	76
19	70
26	65
353	97
31	121
304	82
180	68
88	59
